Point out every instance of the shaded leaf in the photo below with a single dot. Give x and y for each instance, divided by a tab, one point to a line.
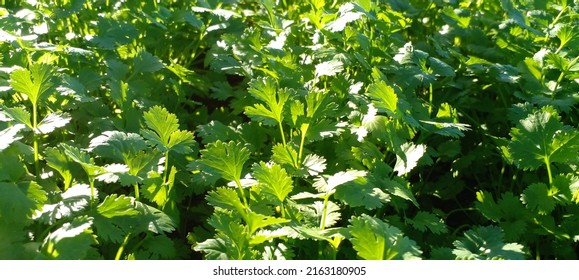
374	239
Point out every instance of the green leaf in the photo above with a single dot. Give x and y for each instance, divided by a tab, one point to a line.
113	173
56	159
384	97
359	193
117	145
235	234
154	190
409	159
346	15
333	214
82	158
214	249
10	135
440	68
273	179
51	122
487	243
12	167
72	202
34	83
541	138
487	205
18	202
146	62
327	184
274	101
115	205
539	197
164	131
396	186
285	155
426	220
158	221
71	241
314	164
374	239
158	247
225	198
227	158
329	68
257	221
20	115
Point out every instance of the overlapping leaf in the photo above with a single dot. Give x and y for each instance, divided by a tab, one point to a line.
163	131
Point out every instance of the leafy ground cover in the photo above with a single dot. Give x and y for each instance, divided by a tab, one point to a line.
270	129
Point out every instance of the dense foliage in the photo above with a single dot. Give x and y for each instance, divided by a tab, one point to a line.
372	129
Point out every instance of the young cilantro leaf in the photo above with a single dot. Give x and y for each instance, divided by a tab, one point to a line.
72	202
115	206
384	96
285	155
35	83
20	115
12	168
332	213
18	202
56	159
327	184
538	197
51	122
541	138
71	241
426	220
409	159
10	135
227	158
374	239
266	90
273	179
225	198
214	249
487	243
82	158
164	131
117	145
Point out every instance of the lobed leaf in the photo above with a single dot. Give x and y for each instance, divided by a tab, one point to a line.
227	158
374	239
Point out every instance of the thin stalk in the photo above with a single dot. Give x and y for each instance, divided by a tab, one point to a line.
430	100
240	190
547	162
303	139
324	213
36	151
137	194
91	183
166	175
558	17
282	134
122	247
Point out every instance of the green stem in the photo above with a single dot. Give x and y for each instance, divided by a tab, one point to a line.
91	183
558	17
166	175
430	100
547	162
303	139
240	190
122	247
137	194
282	134
36	151
324	213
